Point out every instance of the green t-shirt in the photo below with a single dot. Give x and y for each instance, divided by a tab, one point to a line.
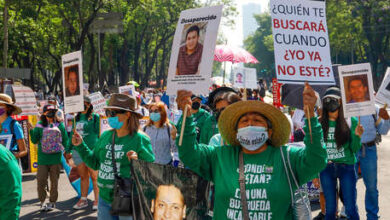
267	188
89	129
200	117
208	129
11	185
48	159
346	153
99	158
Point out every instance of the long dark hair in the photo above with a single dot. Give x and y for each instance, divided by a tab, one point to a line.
88	114
342	132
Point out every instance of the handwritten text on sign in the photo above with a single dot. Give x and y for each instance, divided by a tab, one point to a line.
301	42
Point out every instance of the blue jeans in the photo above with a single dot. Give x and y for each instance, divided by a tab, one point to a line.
369	168
347	177
104	212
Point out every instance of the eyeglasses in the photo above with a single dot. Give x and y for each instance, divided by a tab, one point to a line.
113	113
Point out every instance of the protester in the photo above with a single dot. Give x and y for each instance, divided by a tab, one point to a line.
200	115
87	125
258	130
141	109
342	142
162	134
51	137
129	144
11	126
11	185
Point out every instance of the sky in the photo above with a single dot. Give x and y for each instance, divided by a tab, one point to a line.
234	35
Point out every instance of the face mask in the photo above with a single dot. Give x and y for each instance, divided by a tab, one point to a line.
252	137
332	105
155	116
2	111
114	122
195	105
50	114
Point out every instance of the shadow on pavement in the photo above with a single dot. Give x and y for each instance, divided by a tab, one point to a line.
28	177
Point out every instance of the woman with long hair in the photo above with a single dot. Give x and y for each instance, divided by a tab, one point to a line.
162	134
127	143
87	125
342	138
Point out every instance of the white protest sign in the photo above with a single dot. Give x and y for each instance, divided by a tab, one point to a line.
72	76
104	126
357	89
25	99
383	94
301	42
128	90
245	78
193	50
98	102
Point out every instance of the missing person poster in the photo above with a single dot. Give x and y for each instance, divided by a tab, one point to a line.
72	76
383	94
128	90
98	102
357	89
163	190
25	99
193	50
245	78
301	42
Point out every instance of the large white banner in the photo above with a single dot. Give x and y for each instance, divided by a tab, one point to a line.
72	76
98	102
301	42
193	50
245	78
357	89
383	94
25	99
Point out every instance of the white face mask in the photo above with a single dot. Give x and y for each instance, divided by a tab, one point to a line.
252	137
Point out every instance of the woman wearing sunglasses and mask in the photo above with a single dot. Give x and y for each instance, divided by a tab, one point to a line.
51	137
129	144
342	138
87	125
162	134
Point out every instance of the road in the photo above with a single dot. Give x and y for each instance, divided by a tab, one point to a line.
67	196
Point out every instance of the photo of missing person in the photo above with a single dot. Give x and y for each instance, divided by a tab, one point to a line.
239	77
72	85
356	88
191	49
168	203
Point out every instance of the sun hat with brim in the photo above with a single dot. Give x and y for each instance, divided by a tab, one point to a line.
7	100
123	102
332	92
229	118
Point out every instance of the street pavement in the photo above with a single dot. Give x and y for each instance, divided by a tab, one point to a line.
67	196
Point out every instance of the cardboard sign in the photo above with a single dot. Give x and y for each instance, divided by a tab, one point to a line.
301	42
98	102
383	94
128	90
357	89
25	99
72	76
193	50
245	78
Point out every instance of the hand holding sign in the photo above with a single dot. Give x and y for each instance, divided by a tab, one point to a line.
383	113
132	155
359	129
77	140
309	100
184	101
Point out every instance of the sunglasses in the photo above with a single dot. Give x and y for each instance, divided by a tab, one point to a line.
329	99
113	113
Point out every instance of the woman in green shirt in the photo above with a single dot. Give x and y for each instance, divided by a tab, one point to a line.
342	138
256	131
87	125
129	144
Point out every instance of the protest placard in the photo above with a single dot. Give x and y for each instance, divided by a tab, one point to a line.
301	42
98	102
25	99
128	90
72	76
276	93
193	50
104	126
383	94
357	89
245	78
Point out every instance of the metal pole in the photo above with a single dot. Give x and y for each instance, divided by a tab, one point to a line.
99	64
5	46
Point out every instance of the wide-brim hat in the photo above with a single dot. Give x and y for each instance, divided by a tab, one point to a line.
6	99
123	102
228	121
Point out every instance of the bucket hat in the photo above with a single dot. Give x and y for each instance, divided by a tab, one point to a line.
123	102
6	99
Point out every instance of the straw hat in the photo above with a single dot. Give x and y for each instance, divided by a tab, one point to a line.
6	99
123	102
228	121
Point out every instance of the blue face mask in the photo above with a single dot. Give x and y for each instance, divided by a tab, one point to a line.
115	123
155	116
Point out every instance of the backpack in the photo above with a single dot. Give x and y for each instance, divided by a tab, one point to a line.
52	140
